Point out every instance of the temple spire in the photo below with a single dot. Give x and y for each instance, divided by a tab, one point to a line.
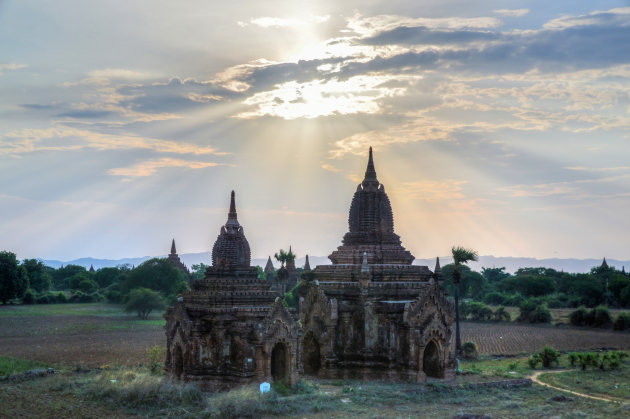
370	172
604	264
232	213
307	265
173	250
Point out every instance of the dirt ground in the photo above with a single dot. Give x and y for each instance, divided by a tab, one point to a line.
93	341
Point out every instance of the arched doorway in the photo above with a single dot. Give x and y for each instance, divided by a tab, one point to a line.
178	362
311	355
279	364
431	364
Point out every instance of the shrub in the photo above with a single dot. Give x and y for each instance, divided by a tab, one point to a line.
531	312
29	297
156	356
479	311
469	350
62	297
81	297
87	285
598	317
549	356
540	314
42	299
113	296
144	301
601	317
622	322
501	315
578	317
494	297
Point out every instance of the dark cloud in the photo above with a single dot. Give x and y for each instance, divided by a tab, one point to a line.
35	106
86	114
421	35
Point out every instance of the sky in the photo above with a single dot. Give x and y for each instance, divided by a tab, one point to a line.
499	126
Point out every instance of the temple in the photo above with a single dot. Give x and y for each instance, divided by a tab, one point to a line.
174	258
371	314
230	328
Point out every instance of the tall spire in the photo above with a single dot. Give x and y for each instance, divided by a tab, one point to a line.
232	213
604	264
173	250
370	172
437	272
307	265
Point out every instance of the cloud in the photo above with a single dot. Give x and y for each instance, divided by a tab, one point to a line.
62	138
107	75
432	191
512	12
148	168
598	169
11	67
278	22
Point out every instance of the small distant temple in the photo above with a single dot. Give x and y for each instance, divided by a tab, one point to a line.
371	314
174	258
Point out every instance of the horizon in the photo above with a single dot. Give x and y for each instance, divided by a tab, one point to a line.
501	130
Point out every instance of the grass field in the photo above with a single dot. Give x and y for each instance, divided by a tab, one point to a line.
114	346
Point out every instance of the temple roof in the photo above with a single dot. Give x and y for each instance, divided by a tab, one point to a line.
269	266
307	265
231	248
371	223
173	249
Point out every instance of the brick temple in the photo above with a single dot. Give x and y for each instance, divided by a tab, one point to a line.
371	314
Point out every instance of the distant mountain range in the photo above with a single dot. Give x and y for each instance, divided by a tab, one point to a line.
511	264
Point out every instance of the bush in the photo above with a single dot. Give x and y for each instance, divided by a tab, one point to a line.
143	301
622	322
479	311
62	297
549	356
531	312
469	350
578	317
501	315
602	317
494	297
87	286
81	297
42	299
113	296
29	297
598	317
546	357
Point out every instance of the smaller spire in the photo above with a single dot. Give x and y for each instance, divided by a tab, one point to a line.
269	266
437	272
604	264
232	213
307	266
91	268
173	250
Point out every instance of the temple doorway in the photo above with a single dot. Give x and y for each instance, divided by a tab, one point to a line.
279	363
311	355
178	362
431	361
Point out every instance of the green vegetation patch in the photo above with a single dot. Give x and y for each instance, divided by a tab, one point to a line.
509	367
10	366
86	309
613	383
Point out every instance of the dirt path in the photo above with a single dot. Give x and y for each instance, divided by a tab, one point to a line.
535	379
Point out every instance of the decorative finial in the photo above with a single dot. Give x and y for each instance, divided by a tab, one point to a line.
173	250
232	213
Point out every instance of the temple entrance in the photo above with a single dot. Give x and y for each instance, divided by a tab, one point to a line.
279	363
178	362
311	356
431	361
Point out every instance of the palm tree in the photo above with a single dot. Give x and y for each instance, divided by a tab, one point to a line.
460	257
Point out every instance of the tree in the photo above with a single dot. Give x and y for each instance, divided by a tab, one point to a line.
60	276
471	283
38	277
144	301
156	274
199	270
283	256
494	275
460	257
105	277
13	278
